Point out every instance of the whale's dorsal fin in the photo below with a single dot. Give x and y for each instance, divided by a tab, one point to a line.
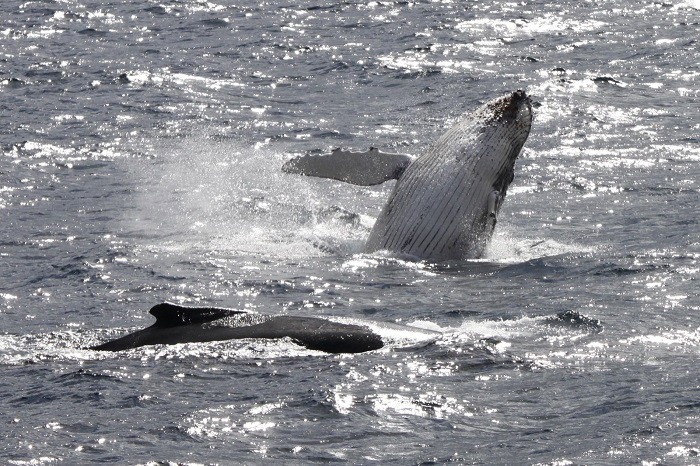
361	168
172	315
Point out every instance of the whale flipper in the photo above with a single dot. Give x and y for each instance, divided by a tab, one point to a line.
179	324
362	168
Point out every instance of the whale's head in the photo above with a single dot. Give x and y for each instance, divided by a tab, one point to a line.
495	135
505	125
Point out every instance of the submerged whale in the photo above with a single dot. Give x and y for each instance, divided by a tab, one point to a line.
445	202
180	324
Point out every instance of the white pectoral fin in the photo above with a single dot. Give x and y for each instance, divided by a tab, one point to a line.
361	168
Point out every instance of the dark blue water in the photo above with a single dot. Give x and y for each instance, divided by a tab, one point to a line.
141	151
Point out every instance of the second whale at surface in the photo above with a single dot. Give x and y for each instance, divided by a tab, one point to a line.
181	324
445	202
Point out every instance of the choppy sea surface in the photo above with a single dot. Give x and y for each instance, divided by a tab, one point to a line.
141	145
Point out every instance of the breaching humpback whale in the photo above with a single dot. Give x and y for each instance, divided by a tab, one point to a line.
445	202
180	324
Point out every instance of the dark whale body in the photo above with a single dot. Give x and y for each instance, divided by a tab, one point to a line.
180	324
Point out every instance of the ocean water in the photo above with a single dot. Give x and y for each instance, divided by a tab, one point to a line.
141	145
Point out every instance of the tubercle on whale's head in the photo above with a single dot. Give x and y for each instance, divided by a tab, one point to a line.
513	107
